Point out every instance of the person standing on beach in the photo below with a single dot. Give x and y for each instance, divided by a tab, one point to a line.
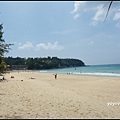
55	76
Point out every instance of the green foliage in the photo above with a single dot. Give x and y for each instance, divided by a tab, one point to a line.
44	63
3	65
3	46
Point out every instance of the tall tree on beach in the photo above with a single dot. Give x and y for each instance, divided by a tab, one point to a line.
3	46
3	49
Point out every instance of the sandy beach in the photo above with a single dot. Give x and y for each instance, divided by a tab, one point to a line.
68	96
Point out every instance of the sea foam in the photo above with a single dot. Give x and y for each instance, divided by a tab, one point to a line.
98	74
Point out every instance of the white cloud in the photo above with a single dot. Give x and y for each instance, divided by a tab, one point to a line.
94	23
118	24
90	8
97	10
102	11
99	15
49	46
117	16
41	46
26	46
76	16
77	6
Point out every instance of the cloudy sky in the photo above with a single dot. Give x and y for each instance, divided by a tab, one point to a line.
63	29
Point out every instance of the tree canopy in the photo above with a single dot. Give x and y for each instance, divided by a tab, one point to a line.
3	46
43	63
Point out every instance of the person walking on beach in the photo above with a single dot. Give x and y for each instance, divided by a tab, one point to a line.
55	76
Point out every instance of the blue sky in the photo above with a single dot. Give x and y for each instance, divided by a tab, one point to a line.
74	29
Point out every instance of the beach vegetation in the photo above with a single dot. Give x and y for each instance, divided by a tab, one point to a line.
44	63
3	65
4	48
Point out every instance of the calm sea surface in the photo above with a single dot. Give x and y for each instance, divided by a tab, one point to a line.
112	70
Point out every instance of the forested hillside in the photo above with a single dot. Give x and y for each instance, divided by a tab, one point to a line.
43	63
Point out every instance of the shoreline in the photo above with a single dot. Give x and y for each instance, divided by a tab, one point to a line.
84	74
39	95
79	75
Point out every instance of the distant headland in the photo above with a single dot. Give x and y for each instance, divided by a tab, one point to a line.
39	63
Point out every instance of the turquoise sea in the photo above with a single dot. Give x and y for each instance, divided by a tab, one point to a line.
111	70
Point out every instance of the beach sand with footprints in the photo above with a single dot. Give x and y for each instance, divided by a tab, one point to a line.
39	95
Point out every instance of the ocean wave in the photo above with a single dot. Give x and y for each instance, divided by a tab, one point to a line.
84	73
43	71
98	74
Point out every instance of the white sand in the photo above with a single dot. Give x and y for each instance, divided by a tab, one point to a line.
68	96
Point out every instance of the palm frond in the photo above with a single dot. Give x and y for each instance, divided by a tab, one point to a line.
103	7
108	9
